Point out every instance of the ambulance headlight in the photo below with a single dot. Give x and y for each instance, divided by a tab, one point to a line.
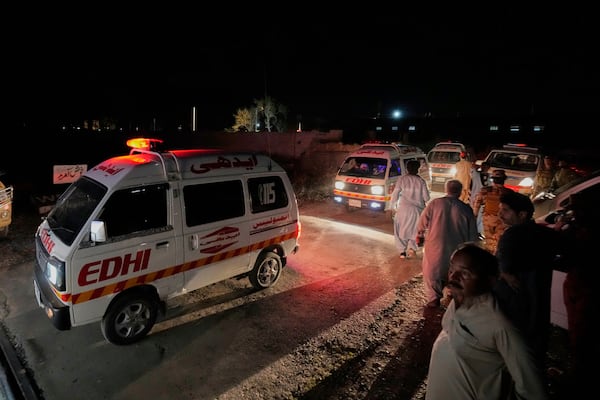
55	272
339	185
526	182
453	171
378	190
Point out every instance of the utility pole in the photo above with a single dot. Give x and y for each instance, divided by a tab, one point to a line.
193	118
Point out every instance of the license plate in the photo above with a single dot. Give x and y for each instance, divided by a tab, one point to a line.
354	203
438	179
38	296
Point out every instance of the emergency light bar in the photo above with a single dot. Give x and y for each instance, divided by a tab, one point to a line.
143	143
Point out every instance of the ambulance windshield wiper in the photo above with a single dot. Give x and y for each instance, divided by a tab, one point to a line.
54	227
62	228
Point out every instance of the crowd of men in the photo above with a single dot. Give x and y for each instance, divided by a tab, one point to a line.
489	265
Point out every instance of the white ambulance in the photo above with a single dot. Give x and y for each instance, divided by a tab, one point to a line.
139	229
367	177
442	159
520	163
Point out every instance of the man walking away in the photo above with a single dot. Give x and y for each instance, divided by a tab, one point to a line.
463	174
408	201
480	178
445	223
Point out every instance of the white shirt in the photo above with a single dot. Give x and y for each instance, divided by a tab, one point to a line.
473	353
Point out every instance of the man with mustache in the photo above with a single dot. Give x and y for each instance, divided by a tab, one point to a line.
479	353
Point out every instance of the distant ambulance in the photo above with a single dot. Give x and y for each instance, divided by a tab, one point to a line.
367	177
139	229
520	162
442	161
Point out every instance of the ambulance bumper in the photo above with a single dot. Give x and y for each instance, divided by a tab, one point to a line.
56	311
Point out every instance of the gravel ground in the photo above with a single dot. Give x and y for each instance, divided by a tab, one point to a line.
381	352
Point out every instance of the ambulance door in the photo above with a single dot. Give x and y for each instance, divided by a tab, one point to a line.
141	248
215	231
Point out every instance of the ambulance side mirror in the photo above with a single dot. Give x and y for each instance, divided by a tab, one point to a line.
98	231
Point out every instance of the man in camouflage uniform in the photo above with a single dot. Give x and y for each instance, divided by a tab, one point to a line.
543	176
563	175
488	199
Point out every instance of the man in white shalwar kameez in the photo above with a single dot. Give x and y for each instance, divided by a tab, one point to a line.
408	201
463	174
445	223
479	353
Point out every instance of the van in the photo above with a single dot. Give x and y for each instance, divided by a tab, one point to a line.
442	160
520	162
142	228
367	177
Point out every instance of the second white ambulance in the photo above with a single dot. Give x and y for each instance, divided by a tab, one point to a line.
367	177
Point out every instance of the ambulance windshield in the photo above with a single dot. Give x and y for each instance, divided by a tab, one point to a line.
74	208
364	167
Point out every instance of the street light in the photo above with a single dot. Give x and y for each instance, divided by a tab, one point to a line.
396	114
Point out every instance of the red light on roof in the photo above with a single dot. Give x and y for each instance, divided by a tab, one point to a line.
143	143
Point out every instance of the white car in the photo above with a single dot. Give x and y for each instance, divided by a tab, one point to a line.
520	163
546	203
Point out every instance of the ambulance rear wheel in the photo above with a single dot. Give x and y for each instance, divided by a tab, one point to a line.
266	271
130	318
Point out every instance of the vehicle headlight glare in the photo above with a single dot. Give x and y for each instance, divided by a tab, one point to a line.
526	182
378	190
55	273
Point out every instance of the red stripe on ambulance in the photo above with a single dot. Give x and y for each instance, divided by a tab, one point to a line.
150	277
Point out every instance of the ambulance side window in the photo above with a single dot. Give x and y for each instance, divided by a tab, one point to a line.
135	210
267	193
210	202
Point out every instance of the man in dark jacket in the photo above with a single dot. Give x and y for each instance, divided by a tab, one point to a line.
526	254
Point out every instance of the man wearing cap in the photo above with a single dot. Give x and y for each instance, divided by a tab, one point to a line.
488	199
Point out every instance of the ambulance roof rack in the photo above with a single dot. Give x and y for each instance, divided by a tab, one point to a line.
520	147
399	147
151	146
454	143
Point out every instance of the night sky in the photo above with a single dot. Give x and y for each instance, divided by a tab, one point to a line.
323	67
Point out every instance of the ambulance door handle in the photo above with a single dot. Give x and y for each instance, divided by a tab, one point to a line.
194	242
162	244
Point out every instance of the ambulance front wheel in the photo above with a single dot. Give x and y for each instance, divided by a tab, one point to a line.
130	318
266	271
